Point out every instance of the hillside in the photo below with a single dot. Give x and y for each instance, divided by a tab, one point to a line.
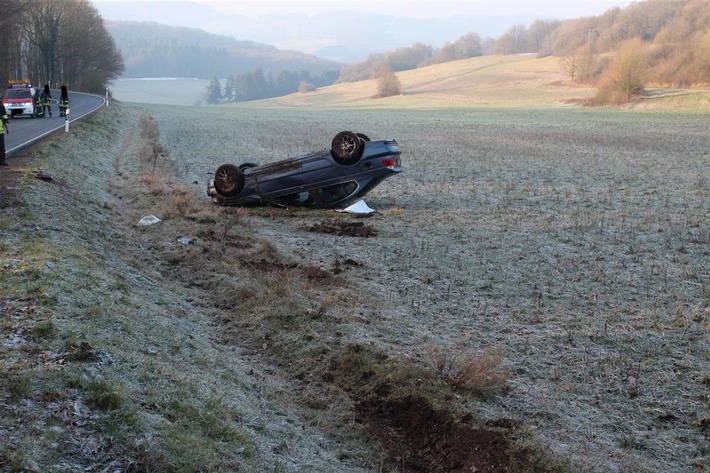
670	39
672	53
510	81
155	50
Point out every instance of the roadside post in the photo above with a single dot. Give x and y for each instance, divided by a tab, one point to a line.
106	96
66	120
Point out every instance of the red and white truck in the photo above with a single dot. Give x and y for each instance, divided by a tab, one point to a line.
20	98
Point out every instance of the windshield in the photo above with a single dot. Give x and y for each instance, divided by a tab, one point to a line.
18	94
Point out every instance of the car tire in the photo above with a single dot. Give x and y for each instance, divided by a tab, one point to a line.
363	137
346	148
228	180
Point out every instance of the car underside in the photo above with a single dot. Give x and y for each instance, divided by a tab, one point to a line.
330	178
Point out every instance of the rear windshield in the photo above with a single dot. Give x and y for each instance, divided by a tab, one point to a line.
18	94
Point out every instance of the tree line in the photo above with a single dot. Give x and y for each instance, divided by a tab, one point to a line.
255	85
57	42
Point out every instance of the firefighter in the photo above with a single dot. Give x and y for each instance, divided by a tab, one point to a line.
3	128
38	103
63	101
46	99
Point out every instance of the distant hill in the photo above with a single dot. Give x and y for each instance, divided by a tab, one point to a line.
505	81
342	36
155	50
669	40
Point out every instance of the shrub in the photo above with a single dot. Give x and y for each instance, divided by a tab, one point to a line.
181	199
103	396
625	76
304	87
477	372
388	84
44	329
150	131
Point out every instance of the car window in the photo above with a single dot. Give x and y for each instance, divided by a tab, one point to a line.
336	192
300	199
18	94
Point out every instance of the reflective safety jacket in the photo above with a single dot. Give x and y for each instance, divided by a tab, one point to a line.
3	118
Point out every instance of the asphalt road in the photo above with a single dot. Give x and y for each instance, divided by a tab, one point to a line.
24	131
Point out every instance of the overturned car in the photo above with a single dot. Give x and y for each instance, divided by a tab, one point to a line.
330	178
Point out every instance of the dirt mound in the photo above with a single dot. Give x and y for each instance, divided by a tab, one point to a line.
420	439
354	229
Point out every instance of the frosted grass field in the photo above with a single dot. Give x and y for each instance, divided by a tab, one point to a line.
575	240
159	91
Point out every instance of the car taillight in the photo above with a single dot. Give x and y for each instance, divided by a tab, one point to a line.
389	162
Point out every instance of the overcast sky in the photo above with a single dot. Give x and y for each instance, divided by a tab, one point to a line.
375	26
413	8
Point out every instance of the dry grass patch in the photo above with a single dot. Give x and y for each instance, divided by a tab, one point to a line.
479	372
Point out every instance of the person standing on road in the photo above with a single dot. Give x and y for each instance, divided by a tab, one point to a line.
37	100
46	98
63	101
3	129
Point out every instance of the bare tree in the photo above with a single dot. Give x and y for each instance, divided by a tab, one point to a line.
57	41
539	34
11	65
579	66
512	41
87	56
42	35
570	66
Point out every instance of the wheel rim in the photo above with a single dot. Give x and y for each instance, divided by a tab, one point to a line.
227	179
346	146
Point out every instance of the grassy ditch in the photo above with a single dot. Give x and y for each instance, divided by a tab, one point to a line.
103	367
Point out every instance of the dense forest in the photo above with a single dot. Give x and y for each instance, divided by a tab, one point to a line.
153	50
660	42
57	42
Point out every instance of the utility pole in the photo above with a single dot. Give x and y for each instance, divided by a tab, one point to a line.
589	39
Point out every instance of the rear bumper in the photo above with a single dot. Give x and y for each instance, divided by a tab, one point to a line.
19	109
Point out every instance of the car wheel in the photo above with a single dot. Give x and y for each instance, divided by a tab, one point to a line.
363	136
228	180
346	148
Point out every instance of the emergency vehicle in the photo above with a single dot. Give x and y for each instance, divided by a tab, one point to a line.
20	98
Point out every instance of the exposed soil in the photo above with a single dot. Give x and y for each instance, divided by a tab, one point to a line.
342	228
420	439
